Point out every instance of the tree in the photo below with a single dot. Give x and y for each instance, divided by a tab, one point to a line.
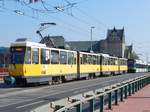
134	55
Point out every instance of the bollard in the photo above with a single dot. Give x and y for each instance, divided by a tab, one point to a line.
92	105
116	97
121	94
101	103
126	92
129	89
79	108
109	100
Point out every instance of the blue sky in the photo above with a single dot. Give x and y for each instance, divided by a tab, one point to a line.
133	15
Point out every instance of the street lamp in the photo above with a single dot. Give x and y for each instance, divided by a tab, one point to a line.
92	27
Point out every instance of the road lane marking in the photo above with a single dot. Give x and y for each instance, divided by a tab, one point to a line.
29	104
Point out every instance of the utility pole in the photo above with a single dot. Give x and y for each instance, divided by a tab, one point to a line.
147	58
92	27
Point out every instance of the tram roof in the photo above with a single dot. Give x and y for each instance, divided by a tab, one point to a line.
140	62
123	58
27	43
107	56
89	53
35	44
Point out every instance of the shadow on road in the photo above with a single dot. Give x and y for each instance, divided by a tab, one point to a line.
4	85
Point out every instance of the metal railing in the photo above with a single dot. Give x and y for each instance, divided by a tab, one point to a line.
113	92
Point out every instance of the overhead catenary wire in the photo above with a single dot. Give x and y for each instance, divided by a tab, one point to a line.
71	5
18	12
91	17
67	26
74	28
76	18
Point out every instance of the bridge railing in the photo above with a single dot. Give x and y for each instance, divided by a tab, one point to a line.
114	93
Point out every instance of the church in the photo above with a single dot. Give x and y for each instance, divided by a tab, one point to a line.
114	44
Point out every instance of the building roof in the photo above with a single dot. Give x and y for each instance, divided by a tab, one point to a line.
53	41
116	33
81	45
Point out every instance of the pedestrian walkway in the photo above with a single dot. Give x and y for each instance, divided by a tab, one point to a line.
138	102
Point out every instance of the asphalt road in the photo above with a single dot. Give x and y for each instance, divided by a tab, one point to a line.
25	99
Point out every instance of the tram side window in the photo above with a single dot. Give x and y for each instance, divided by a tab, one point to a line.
70	58
89	59
63	57
98	60
35	56
108	61
54	57
81	60
84	59
123	62
45	56
28	56
75	58
94	60
115	62
120	62
102	60
112	61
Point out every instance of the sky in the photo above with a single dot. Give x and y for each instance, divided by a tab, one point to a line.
74	23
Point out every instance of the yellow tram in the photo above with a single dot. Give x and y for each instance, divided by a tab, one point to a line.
35	63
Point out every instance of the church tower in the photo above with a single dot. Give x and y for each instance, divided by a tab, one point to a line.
116	42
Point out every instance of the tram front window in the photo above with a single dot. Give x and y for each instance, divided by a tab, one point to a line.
131	63
17	55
